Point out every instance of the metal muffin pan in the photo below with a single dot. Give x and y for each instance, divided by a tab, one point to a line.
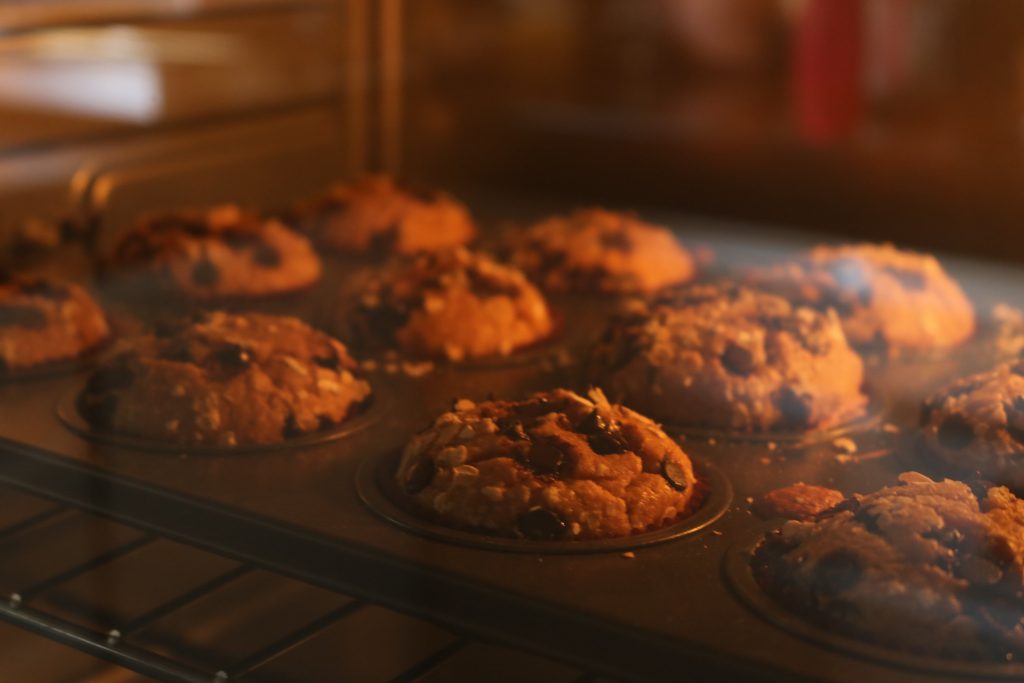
663	614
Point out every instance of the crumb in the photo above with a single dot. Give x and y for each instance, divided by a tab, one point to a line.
750	500
712	441
417	369
766	460
845	444
844	459
391	368
890	428
798	501
771	445
716	532
629	555
369	365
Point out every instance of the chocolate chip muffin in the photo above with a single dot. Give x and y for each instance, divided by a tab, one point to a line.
451	304
976	425
42	321
594	250
376	214
889	299
216	254
225	380
556	466
929	567
731	358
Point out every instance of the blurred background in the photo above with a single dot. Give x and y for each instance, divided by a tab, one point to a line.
897	119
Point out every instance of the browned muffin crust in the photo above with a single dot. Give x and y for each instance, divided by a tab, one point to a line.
727	357
594	250
43	321
797	501
928	567
556	466
976	425
452	304
888	299
227	380
374	213
216	254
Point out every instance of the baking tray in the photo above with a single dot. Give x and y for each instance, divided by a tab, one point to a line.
657	612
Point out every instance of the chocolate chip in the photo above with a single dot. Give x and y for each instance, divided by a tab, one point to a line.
607	443
674	474
512	428
593	423
955	433
205	273
738	360
867	519
231	357
537	407
602	437
331	361
291	427
547	457
538	524
796	413
384	241
837	571
116	375
420	477
619	241
15	315
266	256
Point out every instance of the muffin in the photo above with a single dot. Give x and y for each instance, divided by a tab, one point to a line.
731	358
594	250
928	567
797	501
42	321
556	466
216	254
451	304
889	299
376	214
225	380
976	425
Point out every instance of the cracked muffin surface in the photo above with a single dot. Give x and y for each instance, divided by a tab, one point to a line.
889	299
43	321
224	379
929	567
376	214
976	425
594	250
451	304
556	466
220	253
731	358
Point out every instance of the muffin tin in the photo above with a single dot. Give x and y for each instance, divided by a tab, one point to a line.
644	608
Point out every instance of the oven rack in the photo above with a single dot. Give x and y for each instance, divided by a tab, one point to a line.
128	596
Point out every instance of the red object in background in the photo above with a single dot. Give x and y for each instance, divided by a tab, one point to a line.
827	69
